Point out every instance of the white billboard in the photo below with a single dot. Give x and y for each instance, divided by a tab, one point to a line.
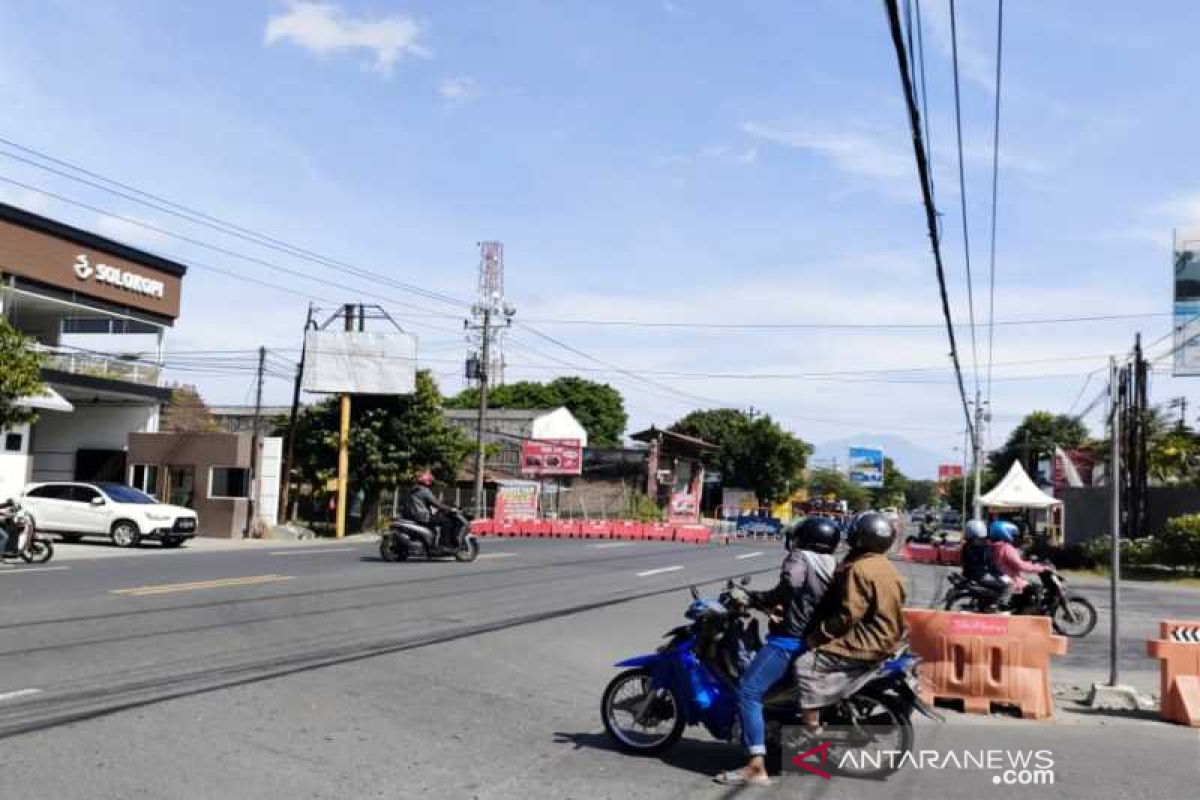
355	362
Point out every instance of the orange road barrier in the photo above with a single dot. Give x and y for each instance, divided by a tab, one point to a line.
986	659
1178	647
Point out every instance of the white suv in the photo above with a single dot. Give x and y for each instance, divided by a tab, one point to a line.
120	512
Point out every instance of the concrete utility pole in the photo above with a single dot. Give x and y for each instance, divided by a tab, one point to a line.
978	455
255	445
343	460
966	441
309	323
484	366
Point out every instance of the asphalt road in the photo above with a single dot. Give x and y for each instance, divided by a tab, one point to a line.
320	671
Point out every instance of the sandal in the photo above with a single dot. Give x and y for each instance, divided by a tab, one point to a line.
734	777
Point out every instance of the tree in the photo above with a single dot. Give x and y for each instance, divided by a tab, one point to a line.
1037	436
895	486
830	483
754	452
20	376
392	439
599	407
186	412
921	493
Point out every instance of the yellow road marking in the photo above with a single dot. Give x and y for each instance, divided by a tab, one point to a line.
219	583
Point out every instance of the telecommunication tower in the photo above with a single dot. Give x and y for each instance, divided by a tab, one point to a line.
486	362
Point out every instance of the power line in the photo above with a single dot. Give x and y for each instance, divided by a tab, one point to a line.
914	119
924	94
850	326
995	195
962	193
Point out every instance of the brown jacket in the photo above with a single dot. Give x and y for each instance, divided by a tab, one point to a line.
860	616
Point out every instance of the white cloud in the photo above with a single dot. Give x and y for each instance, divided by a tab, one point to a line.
325	28
458	89
851	151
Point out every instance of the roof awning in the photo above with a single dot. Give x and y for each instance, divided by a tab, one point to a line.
48	400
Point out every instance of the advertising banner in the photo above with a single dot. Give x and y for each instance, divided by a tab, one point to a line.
866	467
1187	308
360	363
948	472
516	500
551	457
753	524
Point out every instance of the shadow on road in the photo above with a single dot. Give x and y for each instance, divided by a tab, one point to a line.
700	757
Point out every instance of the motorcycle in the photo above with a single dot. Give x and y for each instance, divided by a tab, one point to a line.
23	538
1071	614
453	537
692	679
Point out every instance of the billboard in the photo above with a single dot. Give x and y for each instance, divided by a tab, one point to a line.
551	457
948	472
516	500
1187	307
355	362
866	467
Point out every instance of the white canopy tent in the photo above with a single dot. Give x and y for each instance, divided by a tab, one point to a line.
1016	491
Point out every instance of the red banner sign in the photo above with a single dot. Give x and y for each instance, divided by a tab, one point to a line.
551	457
949	472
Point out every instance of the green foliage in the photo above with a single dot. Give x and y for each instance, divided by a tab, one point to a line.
894	489
754	451
1134	552
825	482
20	375
921	493
1037	436
599	407
1179	544
643	508
186	412
392	439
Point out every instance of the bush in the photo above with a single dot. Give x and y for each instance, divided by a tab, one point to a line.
1134	552
1179	544
644	509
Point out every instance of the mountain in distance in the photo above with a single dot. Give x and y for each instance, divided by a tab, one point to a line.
911	459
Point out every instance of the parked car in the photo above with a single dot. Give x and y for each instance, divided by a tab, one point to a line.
124	514
951	519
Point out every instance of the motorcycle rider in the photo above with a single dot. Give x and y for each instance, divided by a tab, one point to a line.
804	577
977	564
422	507
1008	560
858	623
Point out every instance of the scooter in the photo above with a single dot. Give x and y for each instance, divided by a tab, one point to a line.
23	538
405	538
1071	614
692	679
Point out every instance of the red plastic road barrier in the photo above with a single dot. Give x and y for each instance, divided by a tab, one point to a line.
981	659
627	529
564	529
595	529
919	553
692	534
1178	646
483	527
508	527
949	554
658	531
537	527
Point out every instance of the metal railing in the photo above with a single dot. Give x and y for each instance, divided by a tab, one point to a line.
100	365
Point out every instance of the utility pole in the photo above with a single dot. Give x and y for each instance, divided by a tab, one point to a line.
966	441
484	366
343	460
1114	480
977	505
284	490
255	445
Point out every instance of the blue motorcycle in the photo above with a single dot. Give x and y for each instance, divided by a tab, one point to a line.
692	679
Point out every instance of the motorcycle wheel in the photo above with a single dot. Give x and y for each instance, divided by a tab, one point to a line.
391	549
39	552
468	552
662	722
1083	612
888	730
961	602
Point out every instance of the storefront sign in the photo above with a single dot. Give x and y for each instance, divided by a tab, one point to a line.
551	457
115	276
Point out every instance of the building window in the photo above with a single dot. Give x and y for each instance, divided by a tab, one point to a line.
145	478
229	482
181	486
12	442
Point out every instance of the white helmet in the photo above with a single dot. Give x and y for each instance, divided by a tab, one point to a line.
976	529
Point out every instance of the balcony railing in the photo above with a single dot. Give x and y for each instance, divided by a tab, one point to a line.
101	365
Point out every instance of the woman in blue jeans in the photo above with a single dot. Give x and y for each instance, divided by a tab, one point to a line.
805	576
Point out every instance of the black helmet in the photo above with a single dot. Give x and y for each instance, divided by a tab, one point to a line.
816	534
871	533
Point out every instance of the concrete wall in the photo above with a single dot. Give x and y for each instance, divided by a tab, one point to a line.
1088	510
270	466
58	435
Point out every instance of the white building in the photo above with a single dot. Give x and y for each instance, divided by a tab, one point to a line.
98	309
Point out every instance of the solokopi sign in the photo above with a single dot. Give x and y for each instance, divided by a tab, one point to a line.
115	276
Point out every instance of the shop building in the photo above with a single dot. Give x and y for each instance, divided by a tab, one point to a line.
98	310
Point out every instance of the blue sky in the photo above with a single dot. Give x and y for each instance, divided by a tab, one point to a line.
644	160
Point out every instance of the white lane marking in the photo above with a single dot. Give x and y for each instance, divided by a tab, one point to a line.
19	693
497	555
749	555
311	550
23	570
659	571
611	544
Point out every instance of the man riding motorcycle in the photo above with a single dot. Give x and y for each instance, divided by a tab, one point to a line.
858	623
806	573
422	507
977	563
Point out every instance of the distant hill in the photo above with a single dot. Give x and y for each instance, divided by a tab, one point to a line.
913	460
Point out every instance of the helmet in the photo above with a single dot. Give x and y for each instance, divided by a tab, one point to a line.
817	534
871	532
1001	531
976	529
425	478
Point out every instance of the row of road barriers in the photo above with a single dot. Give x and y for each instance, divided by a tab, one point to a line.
627	530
